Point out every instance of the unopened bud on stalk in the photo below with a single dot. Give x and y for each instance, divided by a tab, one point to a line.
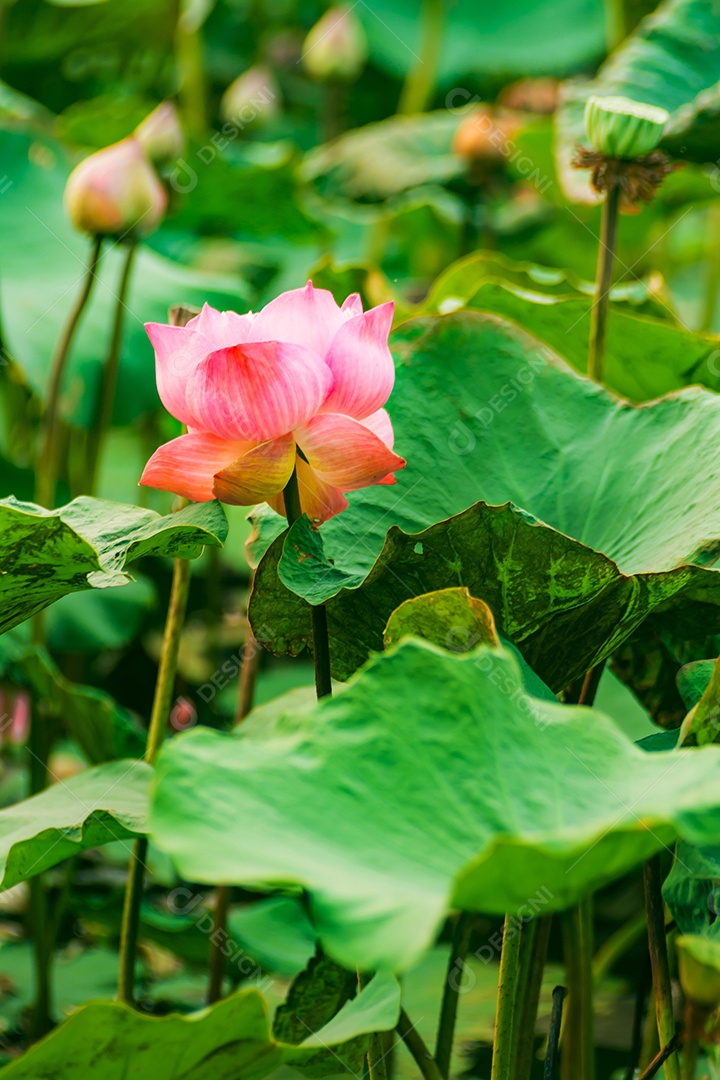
161	135
115	192
336	47
620	128
252	98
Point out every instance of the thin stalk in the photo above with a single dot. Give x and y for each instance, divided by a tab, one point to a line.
416	1045
712	260
508	979
558	996
321	644
662	1056
578	1058
419	85
529	1006
49	431
617	945
603	282
636	1043
191	73
245	699
41	1017
162	701
108	384
657	943
448	1010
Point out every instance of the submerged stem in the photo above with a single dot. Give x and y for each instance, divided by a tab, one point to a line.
162	701
603	282
108	384
49	432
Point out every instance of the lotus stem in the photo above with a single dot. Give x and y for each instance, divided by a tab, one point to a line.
321	643
537	946
419	85
578	1058
662	1056
108	384
416	1045
448	1010
509	978
162	701
603	282
657	943
49	432
558	997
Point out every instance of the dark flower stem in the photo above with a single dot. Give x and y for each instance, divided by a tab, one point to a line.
603	282
558	997
108	383
448	1010
657	944
162	701
661	1057
528	1007
49	432
416	1045
321	644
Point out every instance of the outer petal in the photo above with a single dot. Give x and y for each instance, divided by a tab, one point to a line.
308	317
178	351
186	466
352	304
362	366
222	328
381	425
258	475
320	501
345	453
257	391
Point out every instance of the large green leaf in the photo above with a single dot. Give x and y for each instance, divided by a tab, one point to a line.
45	554
41	274
645	356
594	513
98	806
672	60
101	728
446	785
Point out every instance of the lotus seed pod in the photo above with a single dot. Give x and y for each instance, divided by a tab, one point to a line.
253	98
699	969
161	135
336	47
115	192
620	128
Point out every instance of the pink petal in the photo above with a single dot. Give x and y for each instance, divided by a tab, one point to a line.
222	328
258	475
345	453
362	366
380	424
178	351
308	317
353	304
186	466
257	391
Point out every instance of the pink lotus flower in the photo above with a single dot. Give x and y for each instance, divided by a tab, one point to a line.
300	384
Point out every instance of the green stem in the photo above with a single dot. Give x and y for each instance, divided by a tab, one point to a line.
558	997
712	260
617	945
508	980
191	74
49	432
416	1045
108	384
578	1057
603	282
419	85
162	701
662	1056
449	1007
657	943
41	1017
321	643
691	1053
535	967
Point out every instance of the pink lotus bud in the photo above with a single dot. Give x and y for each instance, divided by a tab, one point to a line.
20	718
252	98
336	47
115	192
161	135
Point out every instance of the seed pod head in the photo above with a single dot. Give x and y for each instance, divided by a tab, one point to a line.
699	969
620	128
161	135
251	99
336	47
115	192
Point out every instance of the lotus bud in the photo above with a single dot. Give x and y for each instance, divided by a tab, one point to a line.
699	969
253	98
484	136
620	128
336	47
161	135
115	192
